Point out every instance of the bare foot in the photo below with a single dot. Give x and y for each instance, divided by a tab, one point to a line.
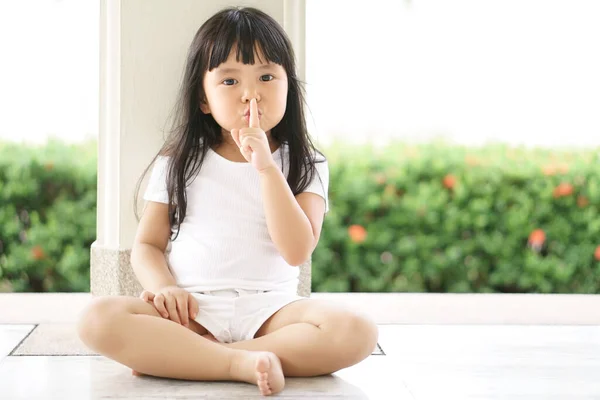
269	375
208	336
262	368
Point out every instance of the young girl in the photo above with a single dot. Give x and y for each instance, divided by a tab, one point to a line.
239	193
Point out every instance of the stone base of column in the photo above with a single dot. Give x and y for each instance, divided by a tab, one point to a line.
305	279
111	274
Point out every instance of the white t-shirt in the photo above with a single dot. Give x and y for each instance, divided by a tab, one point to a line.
224	242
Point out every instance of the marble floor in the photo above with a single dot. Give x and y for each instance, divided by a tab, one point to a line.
419	361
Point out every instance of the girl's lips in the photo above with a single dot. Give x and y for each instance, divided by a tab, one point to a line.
247	117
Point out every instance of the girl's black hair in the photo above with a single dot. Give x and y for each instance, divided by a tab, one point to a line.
193	132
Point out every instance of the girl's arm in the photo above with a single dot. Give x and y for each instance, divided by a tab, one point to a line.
148	253
294	230
150	267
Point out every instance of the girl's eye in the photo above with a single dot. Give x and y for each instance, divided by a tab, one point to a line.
231	81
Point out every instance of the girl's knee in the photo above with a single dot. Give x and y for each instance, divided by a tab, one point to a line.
358	336
368	332
96	321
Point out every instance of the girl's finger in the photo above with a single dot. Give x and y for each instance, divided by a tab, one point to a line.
193	306
147	296
253	121
160	305
182	307
247	141
171	305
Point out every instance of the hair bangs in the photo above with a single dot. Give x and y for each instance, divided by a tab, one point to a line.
251	37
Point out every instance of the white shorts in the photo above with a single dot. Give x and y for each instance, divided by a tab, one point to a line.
233	315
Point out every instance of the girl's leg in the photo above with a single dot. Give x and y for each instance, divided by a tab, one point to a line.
194	327
131	332
314	337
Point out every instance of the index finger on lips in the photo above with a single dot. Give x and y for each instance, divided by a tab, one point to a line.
254	121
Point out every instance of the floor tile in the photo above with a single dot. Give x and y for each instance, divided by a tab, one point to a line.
91	377
11	336
489	362
421	362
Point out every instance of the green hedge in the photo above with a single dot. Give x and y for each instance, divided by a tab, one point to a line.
418	218
445	218
47	216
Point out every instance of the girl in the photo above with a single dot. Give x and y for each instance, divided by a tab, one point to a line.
239	193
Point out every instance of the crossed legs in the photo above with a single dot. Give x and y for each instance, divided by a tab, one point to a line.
304	338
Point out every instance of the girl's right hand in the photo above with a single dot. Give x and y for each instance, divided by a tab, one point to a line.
174	303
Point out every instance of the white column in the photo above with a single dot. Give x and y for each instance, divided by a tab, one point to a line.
143	47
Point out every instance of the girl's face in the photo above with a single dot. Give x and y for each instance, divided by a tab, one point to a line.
230	87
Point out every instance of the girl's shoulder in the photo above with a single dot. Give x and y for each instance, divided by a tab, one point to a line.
164	153
162	160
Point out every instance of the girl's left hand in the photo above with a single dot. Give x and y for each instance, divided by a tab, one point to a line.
253	142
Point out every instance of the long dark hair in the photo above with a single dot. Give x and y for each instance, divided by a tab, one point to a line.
193	132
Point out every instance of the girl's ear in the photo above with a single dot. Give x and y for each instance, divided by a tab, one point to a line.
204	107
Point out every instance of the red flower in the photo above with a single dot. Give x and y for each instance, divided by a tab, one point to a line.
357	233
537	239
449	181
597	253
564	189
38	253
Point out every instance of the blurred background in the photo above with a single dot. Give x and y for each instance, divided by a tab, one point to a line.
473	127
519	72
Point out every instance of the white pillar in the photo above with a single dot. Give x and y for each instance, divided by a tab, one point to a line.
143	46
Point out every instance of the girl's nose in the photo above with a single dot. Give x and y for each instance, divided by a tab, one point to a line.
249	94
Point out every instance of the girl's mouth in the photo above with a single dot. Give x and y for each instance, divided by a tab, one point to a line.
247	117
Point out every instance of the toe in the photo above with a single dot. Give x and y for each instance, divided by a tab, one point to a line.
264	388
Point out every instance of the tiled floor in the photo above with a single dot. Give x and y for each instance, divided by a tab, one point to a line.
11	336
421	362
496	361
